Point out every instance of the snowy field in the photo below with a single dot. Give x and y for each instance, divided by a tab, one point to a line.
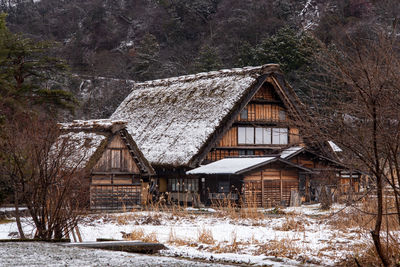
45	254
302	236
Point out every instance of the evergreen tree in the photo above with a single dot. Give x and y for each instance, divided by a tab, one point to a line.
26	73
289	49
207	60
146	57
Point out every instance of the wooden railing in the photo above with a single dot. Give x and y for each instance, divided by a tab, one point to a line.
114	197
221	196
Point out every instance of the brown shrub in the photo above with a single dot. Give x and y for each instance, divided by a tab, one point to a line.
173	239
365	255
205	236
138	234
280	248
290	224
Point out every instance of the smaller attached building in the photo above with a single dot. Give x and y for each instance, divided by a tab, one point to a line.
118	172
261	181
270	180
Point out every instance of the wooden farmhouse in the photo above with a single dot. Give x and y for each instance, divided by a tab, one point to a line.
118	173
240	121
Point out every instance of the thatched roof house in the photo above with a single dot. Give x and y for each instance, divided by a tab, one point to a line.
177	121
115	165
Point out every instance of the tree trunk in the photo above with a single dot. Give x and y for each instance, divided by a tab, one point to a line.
376	232
17	216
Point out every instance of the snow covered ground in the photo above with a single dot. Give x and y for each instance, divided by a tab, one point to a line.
302	236
45	254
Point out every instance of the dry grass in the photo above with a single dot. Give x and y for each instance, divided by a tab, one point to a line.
365	255
150	238
233	247
281	248
4	221
124	219
139	234
205	236
290	224
173	239
362	217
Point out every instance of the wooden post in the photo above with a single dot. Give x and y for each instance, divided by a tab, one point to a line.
262	190
280	177
73	234
78	233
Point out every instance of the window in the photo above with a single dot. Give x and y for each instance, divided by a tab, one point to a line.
223	186
244	115
115	159
282	115
246	135
262	136
183	185
279	136
243	152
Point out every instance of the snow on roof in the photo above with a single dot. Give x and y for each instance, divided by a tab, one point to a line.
104	124
334	146
75	149
230	165
170	119
287	153
80	139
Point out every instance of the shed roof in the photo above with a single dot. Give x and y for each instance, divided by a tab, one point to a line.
239	165
291	151
173	119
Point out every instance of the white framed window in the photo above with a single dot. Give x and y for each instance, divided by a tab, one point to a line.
263	136
279	136
246	135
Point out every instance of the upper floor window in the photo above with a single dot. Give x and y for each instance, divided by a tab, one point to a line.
279	136
246	135
244	115
282	115
262	136
115	158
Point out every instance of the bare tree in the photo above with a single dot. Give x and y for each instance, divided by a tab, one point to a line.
45	175
355	102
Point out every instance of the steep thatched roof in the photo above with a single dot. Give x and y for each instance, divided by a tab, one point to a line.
174	120
83	143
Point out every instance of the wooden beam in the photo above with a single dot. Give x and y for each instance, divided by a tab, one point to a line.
281	184
262	190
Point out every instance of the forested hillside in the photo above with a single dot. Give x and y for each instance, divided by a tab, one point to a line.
148	39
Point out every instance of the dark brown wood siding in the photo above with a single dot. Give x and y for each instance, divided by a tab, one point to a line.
270	187
116	158
115	180
264	110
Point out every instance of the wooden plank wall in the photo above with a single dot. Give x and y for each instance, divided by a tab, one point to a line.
270	187
262	112
266	92
230	138
116	154
114	197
